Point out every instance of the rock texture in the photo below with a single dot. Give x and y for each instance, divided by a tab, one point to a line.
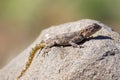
98	60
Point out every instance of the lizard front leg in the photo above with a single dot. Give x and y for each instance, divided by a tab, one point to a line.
76	40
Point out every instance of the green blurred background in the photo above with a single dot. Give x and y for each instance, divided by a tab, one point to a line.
22	20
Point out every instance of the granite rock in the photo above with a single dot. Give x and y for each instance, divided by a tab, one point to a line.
98	60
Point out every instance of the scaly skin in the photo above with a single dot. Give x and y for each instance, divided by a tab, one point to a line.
30	59
63	39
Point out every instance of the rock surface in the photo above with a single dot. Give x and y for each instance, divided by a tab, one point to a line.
98	60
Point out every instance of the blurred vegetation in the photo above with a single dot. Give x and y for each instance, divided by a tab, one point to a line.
22	20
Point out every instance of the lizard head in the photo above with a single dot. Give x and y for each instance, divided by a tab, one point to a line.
91	29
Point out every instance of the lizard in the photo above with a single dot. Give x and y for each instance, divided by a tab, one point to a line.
71	38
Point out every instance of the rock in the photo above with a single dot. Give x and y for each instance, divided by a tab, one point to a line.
98	60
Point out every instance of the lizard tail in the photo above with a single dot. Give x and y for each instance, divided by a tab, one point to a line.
30	59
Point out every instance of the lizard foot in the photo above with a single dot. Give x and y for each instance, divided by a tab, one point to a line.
78	46
45	52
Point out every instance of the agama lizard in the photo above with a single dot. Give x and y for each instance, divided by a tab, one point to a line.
62	39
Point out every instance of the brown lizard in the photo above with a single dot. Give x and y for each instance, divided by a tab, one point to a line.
62	39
